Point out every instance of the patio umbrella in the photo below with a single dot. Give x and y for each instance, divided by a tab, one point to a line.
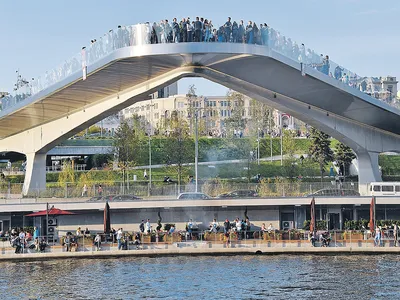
372	215
107	219
51	212
312	223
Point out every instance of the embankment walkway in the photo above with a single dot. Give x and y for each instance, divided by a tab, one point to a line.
193	249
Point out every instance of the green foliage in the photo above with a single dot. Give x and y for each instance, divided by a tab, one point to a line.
319	224
67	175
261	117
344	156
99	160
128	140
306	225
237	119
320	150
178	148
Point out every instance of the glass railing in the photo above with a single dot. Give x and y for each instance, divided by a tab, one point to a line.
133	35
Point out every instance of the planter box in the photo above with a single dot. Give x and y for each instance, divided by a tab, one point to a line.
213	237
146	239
174	238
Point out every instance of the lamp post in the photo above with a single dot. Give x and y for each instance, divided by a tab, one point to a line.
281	140
270	131
196	151
258	146
150	133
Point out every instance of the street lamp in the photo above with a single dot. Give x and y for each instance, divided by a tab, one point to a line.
281	140
270	131
196	151
196	146
258	146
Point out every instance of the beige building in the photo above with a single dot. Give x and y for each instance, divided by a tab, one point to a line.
383	88
212	112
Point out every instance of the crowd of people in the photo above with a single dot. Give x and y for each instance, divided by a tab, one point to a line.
186	30
21	240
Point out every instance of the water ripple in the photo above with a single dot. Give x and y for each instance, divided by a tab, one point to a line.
233	277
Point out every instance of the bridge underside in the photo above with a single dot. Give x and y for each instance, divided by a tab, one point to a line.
129	75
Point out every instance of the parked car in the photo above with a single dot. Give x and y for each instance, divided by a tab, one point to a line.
334	192
239	194
126	198
96	199
193	196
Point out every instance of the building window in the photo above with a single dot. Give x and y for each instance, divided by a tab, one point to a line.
155	105
156	115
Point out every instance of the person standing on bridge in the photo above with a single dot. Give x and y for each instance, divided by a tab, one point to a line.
190	28
183	31
197	30
175	31
241	32
228	30
249	33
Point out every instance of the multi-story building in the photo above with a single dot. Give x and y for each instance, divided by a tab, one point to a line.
383	88
212	112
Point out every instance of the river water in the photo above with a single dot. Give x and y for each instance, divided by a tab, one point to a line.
205	277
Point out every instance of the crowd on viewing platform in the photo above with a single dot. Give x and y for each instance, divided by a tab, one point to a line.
186	30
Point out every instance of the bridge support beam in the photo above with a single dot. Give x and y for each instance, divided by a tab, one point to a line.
37	141
35	175
367	142
368	170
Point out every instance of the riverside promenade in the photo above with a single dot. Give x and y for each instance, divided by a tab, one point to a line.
198	248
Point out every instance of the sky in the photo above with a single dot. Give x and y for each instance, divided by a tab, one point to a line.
361	35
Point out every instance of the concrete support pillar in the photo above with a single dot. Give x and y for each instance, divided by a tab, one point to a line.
35	175
368	170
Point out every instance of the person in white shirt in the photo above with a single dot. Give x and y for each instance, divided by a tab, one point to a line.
271	227
97	242
214	226
238	225
148	226
119	237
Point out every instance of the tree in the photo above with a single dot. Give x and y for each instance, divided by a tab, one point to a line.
178	148
235	108
289	148
344	156
320	150
129	144
261	118
67	174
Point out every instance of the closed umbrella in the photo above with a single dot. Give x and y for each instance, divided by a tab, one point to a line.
372	215
107	219
312	223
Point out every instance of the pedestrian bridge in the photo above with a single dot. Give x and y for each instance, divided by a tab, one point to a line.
123	68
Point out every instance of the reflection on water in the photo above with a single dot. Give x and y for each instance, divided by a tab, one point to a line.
237	277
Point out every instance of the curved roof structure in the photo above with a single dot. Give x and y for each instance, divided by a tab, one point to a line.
113	69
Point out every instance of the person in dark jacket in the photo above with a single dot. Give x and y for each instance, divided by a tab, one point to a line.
183	28
235	32
228	30
198	30
175	31
241	33
153	36
227	226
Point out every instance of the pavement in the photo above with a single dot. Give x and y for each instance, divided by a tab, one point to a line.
203	248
